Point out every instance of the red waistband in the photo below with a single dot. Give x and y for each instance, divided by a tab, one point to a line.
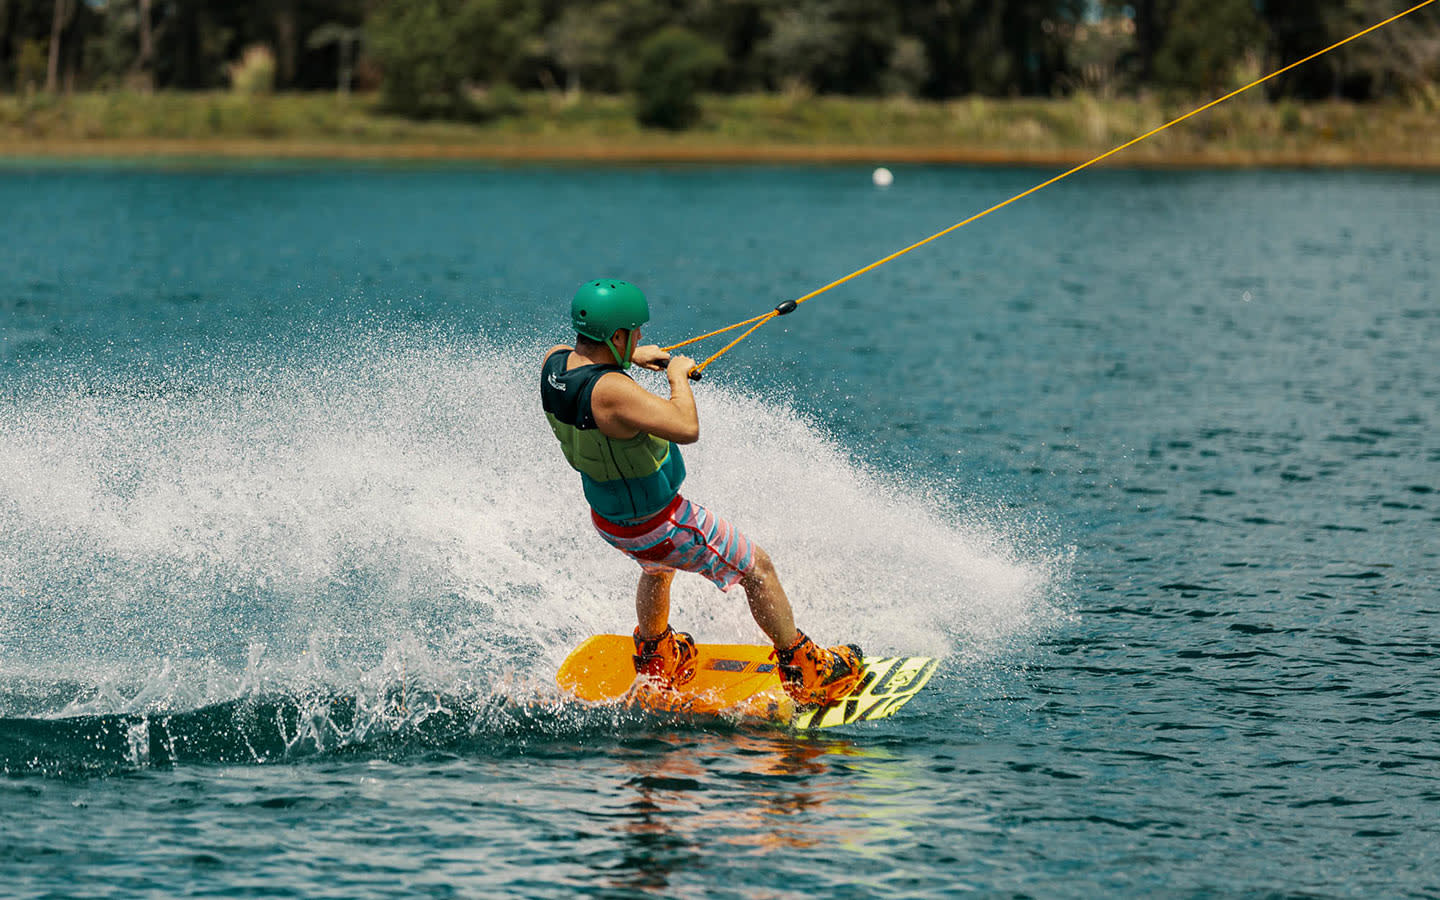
616	529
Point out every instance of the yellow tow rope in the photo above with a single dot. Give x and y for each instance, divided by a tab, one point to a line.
789	305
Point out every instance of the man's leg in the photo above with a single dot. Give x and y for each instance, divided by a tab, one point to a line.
660	652
652	603
768	603
811	674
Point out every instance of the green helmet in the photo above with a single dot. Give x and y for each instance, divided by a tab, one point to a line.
606	304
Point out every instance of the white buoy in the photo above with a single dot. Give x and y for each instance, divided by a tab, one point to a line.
882	177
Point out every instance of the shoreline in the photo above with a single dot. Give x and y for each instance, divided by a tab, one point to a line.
759	129
663	153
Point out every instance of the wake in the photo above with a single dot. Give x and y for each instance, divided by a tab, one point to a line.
346	513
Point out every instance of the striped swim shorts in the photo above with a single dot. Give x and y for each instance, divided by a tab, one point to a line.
684	536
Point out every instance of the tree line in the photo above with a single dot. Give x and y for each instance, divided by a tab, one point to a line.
427	56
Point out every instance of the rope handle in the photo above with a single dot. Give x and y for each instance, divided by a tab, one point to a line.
784	308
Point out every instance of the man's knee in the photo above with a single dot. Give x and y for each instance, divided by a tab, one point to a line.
761	569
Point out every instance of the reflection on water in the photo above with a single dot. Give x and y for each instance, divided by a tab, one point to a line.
685	800
690	794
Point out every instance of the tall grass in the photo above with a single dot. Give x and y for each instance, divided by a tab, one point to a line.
789	125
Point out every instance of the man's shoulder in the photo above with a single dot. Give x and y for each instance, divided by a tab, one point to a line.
615	387
556	349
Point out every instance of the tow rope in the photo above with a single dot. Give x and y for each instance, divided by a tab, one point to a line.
789	306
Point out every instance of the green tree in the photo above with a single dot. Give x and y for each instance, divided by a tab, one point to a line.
195	41
1204	41
23	24
112	51
805	47
671	68
30	65
1403	58
583	41
996	48
425	66
432	50
908	69
738	27
840	46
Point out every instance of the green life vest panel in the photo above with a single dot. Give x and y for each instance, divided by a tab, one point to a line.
624	480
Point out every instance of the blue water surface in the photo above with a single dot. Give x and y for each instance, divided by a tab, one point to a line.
285	580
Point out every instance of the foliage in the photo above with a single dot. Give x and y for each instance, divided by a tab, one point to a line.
583	41
998	49
1097	52
30	66
1402	58
254	72
1194	45
909	68
805	47
432	50
672	66
1200	58
112	48
423	61
431	57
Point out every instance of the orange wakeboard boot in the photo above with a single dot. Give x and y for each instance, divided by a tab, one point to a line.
815	676
668	659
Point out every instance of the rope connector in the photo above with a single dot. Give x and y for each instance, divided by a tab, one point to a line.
786	308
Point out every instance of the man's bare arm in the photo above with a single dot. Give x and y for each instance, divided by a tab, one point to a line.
623	408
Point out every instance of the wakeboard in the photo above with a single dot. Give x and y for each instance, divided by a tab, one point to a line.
738	680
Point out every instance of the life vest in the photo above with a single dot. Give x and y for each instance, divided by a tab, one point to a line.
625	480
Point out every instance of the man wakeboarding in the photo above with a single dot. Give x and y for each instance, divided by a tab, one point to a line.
623	439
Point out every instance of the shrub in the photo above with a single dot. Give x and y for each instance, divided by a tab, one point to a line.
672	66
30	66
254	72
432	51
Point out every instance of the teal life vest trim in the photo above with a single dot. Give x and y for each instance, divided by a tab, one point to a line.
625	480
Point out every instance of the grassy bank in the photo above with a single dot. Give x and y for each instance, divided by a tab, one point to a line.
1243	131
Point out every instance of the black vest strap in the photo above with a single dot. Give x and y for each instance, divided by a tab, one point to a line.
566	395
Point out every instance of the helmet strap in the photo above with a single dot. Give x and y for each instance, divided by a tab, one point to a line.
623	361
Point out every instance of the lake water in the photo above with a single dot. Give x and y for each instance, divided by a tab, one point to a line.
288	557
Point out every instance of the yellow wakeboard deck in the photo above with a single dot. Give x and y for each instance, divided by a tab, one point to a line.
737	680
